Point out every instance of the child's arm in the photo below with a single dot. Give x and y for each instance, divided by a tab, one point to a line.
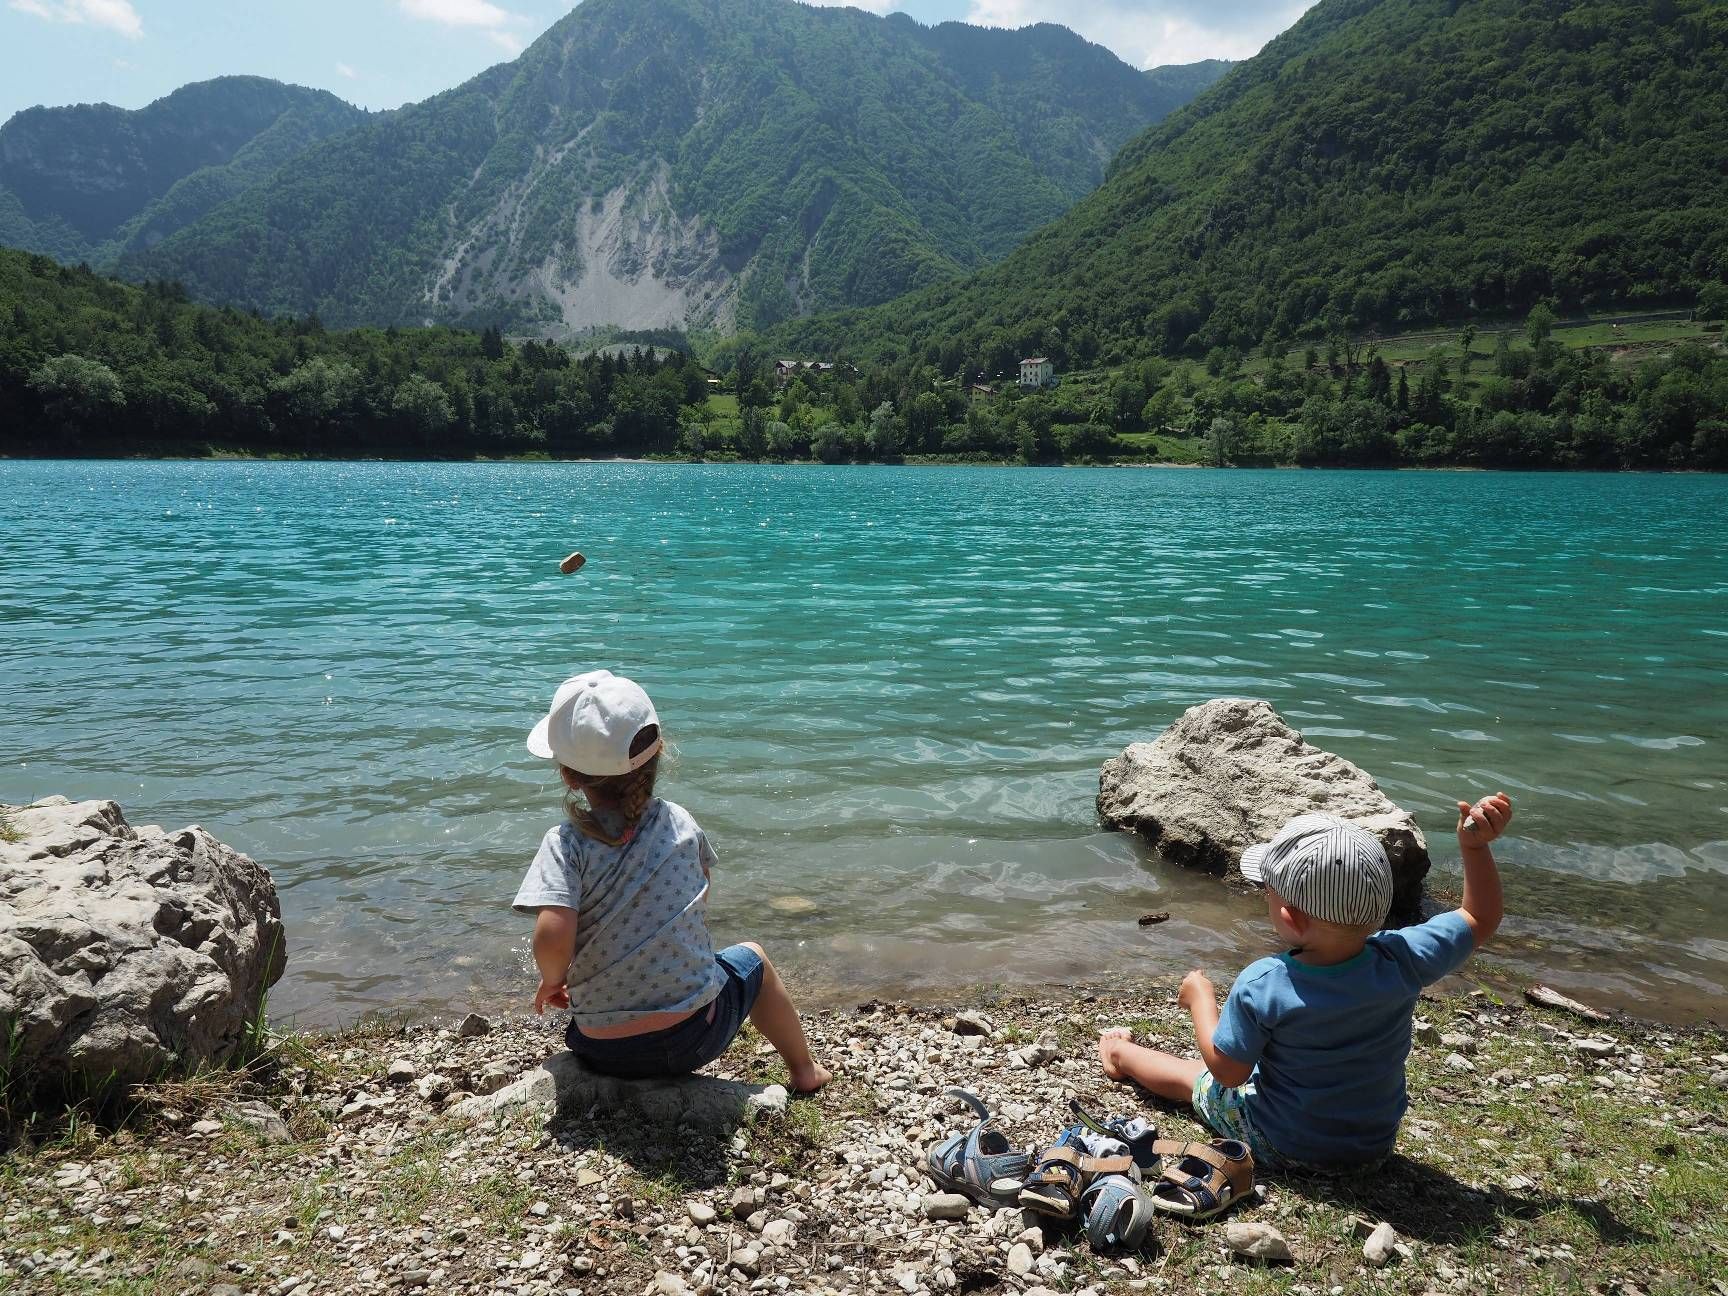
554	947
1199	997
1482	906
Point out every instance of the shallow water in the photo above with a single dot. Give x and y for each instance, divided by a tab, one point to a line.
889	689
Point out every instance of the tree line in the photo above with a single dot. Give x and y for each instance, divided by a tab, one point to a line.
91	366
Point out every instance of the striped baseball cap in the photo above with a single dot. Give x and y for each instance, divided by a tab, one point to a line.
1327	867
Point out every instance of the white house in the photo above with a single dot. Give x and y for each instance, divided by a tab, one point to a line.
1037	372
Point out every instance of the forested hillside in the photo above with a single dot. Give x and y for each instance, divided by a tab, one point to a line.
92	181
1382	163
91	366
683	162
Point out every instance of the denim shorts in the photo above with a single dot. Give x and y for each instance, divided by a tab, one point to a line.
692	1043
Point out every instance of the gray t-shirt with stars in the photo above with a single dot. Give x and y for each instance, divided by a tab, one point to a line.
642	943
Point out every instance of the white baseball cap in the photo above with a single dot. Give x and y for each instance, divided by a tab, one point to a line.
593	721
1327	867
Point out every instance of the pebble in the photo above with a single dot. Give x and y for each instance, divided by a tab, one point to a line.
1257	1241
1378	1249
1459	1063
473	1026
414	1277
702	1214
748	1261
1019	1259
744	1203
667	1283
1459	1043
973	1023
779	1233
401	1071
946	1206
1596	1047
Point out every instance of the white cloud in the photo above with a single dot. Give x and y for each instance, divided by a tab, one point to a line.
1147	33
342	69
457	13
497	24
116	15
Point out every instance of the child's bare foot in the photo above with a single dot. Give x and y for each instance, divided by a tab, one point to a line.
1110	1048
809	1081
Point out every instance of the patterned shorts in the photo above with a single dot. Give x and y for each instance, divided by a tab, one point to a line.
1225	1111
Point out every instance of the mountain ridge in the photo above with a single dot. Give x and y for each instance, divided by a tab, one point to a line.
1381	164
695	163
143	173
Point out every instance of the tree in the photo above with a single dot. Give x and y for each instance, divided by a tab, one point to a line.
753	434
1159	412
78	391
1539	323
1221	440
1713	302
422	407
1466	339
884	432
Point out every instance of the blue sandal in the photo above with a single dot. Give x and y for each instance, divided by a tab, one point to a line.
1118	1212
1068	1168
981	1165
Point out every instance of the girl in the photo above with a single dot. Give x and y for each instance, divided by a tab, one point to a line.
620	892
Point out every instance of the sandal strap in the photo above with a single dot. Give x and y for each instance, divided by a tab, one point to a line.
1200	1151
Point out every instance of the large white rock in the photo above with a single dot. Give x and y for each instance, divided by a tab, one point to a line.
1231	772
128	954
561	1084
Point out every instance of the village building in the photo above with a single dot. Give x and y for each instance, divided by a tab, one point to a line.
786	370
1037	371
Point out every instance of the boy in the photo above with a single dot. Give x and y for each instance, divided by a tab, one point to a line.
1305	1064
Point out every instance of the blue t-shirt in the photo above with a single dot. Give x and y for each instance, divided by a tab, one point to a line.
1328	1043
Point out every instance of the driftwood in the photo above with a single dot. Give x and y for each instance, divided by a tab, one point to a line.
1543	997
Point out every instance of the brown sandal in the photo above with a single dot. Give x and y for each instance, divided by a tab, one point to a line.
1062	1176
1204	1178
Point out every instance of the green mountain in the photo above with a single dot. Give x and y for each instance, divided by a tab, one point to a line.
691	163
93	181
1383	163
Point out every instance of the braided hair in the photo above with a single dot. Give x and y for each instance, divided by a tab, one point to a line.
614	798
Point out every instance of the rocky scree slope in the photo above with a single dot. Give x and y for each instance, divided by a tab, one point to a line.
688	163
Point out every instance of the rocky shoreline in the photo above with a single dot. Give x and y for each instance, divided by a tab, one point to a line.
1541	1152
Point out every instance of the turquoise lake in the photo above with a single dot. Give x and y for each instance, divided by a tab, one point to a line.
889	690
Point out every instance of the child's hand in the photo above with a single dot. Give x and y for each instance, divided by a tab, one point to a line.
1196	988
1481	823
555	994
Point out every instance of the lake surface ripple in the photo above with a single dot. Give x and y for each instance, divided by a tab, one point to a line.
889	690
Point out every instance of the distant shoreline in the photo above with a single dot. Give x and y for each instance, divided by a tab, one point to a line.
919	461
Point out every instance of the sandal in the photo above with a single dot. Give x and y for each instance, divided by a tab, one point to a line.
1118	1212
1069	1166
980	1165
1205	1179
1140	1136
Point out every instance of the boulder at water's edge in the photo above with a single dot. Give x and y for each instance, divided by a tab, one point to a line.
1230	773
127	954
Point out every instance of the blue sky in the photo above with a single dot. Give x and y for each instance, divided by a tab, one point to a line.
383	53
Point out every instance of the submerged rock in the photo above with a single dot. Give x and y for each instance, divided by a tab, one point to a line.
128	954
1230	773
